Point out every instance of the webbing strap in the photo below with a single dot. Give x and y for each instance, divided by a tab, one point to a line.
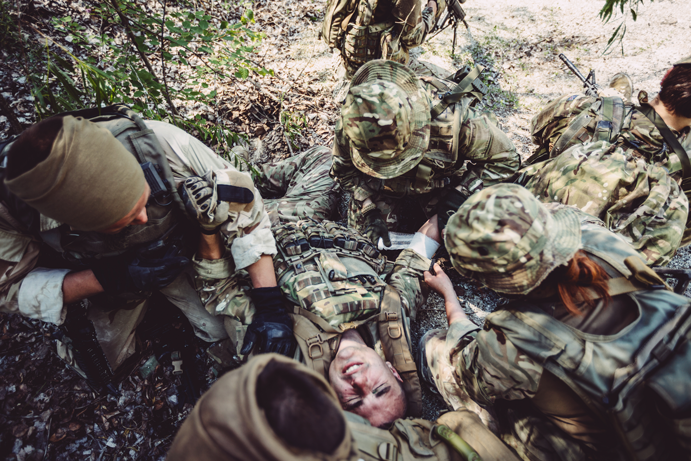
611	111
668	136
324	325
422	177
458	92
314	345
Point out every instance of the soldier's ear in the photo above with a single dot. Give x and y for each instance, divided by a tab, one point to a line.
393	371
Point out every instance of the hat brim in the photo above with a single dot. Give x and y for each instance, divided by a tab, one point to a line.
405	161
562	244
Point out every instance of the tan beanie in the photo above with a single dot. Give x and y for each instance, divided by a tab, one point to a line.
227	423
89	180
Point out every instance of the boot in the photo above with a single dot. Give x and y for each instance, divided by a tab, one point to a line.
623	84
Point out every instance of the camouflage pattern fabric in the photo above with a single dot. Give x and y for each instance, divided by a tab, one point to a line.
638	139
303	186
636	199
504	237
466	148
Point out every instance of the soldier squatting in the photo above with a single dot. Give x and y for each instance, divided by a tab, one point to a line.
588	360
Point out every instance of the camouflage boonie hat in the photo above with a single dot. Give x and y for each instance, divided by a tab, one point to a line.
504	237
386	117
686	60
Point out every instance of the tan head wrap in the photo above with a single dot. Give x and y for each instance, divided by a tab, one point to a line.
227	424
89	180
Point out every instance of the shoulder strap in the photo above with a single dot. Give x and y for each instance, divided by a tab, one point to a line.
668	136
393	338
314	344
611	116
465	86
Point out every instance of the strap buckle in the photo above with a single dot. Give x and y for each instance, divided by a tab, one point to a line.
315	342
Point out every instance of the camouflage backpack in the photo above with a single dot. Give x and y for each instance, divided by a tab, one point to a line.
333	277
636	381
576	119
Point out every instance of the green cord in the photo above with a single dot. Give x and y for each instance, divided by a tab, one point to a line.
457	443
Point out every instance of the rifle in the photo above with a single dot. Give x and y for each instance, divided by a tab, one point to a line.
591	88
452	16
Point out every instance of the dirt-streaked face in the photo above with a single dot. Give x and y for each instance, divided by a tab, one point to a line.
367	385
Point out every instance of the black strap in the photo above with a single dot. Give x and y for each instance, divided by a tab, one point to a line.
228	193
668	136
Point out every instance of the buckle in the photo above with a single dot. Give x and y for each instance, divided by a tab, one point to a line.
391	316
398	331
314	356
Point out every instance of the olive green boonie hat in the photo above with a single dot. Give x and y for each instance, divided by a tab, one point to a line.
504	237
386	117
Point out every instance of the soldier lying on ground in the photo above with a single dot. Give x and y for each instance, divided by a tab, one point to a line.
574	365
350	324
275	409
365	30
90	210
403	136
612	161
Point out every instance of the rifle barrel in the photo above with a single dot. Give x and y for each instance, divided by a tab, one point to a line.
572	67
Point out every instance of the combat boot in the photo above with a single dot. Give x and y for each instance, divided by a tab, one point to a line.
623	84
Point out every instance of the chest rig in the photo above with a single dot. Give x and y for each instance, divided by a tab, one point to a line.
163	208
332	275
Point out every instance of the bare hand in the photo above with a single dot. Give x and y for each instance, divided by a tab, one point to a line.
440	282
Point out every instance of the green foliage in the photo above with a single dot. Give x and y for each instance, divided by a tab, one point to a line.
626	8
9	33
124	53
293	124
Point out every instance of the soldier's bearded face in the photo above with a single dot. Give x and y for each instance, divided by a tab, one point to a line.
367	385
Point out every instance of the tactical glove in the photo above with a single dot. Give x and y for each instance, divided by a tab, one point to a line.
208	199
375	227
271	328
448	205
148	270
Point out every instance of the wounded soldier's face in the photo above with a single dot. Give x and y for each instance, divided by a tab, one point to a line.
367	385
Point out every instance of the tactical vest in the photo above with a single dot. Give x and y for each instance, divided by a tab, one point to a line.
636	381
332	275
592	119
441	163
163	207
413	439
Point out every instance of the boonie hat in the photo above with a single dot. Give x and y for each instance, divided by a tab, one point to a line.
504	237
386	117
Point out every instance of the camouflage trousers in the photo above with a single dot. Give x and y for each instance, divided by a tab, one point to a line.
299	187
636	200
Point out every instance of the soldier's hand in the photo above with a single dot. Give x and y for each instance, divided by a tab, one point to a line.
375	227
201	202
142	272
271	328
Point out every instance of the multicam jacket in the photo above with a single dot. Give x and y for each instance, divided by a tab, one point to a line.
466	148
489	367
632	184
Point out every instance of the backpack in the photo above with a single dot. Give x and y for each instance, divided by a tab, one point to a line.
576	119
332	276
637	381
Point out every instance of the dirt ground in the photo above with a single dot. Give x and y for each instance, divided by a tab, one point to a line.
46	412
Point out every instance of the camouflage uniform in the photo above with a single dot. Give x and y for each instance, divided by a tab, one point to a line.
33	290
503	237
378	29
635	188
389	147
301	186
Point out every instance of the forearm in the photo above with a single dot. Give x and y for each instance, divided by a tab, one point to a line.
211	246
80	285
262	272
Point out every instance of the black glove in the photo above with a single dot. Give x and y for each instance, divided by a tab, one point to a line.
448	205
271	327
375	227
148	270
